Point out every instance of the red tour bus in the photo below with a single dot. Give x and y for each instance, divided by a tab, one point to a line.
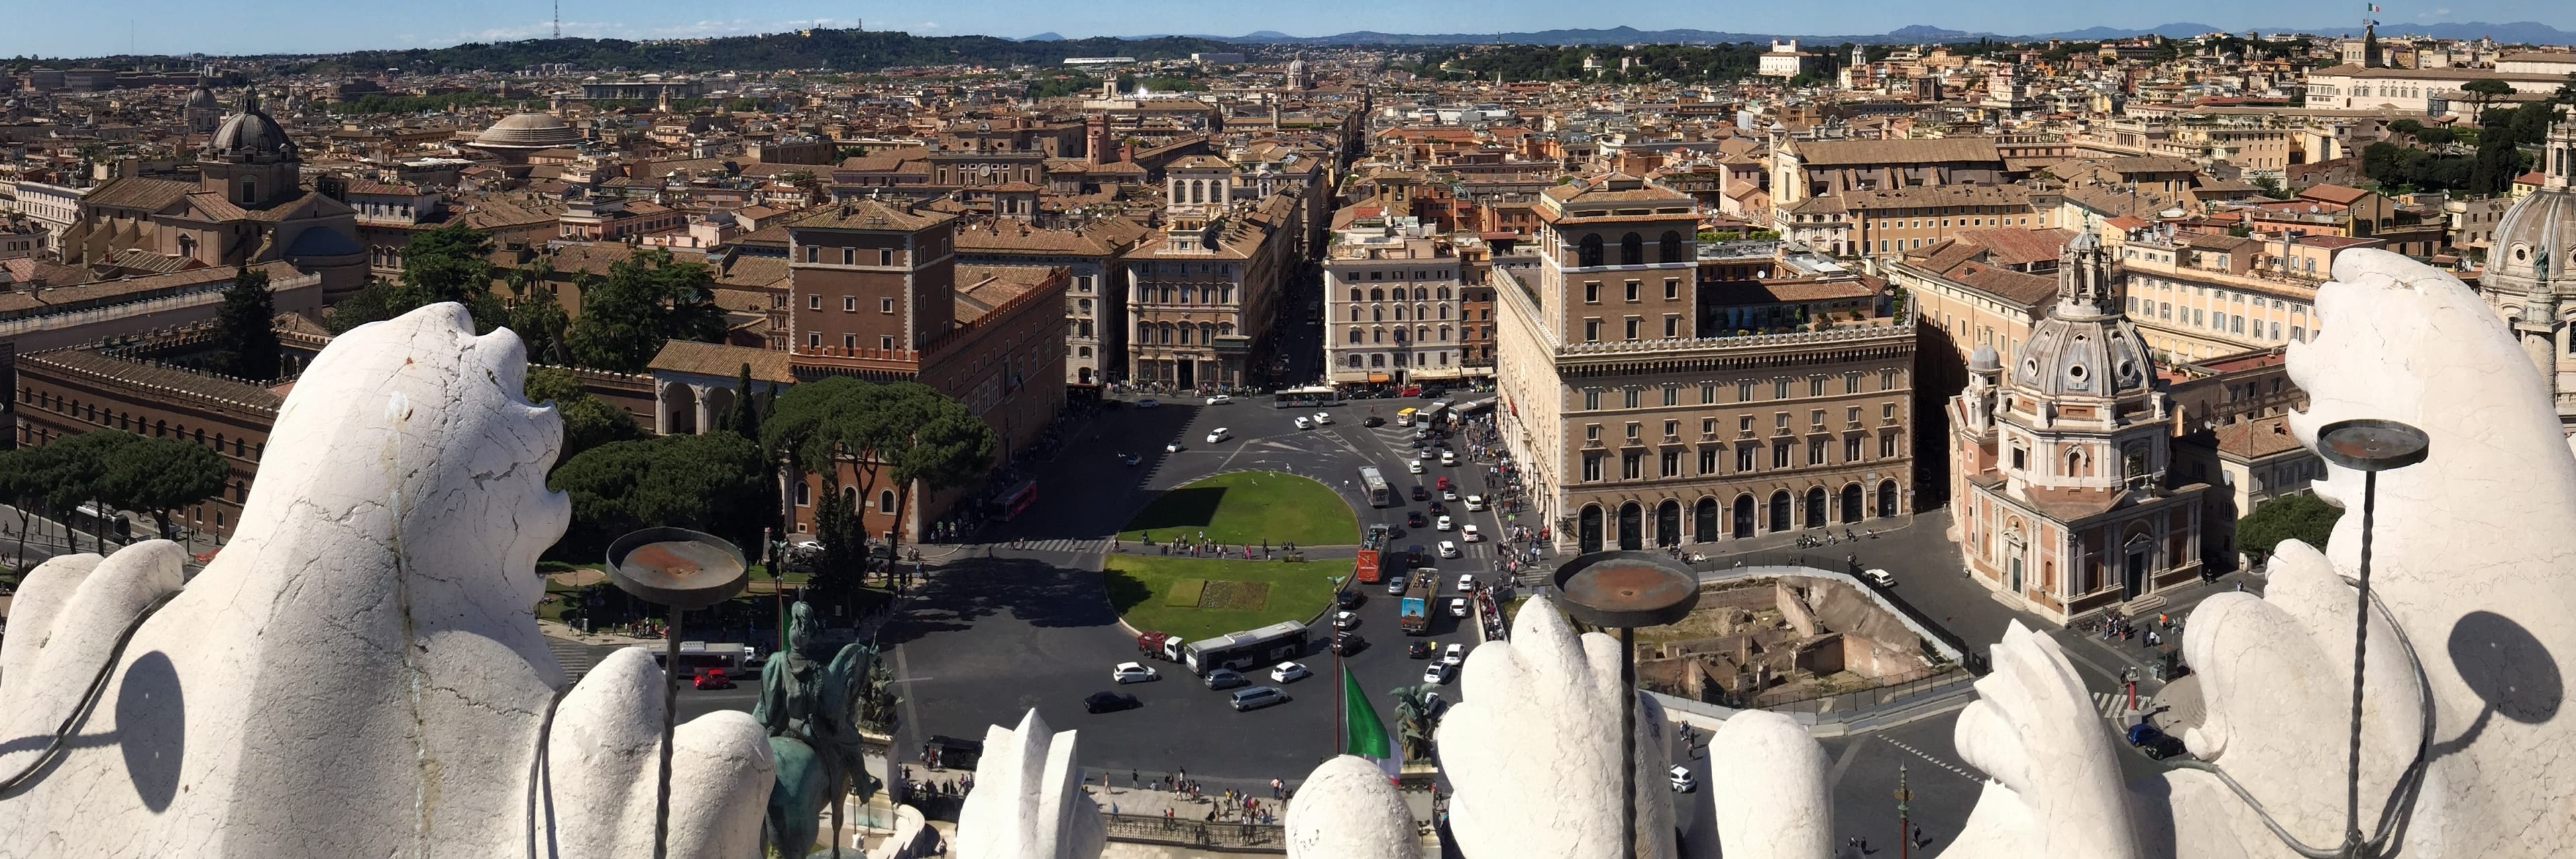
1018	499
1366	568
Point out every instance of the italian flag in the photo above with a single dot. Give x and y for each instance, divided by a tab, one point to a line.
1362	733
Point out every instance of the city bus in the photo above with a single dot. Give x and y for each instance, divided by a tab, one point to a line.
1373	483
1317	397
1430	414
739	661
1404	416
1018	498
1414	613
1249	649
1365	567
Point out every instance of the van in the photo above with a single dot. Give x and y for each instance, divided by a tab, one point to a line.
1258	697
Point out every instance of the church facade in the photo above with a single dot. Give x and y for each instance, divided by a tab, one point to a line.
2530	277
2060	462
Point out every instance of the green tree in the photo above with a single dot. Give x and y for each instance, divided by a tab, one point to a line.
25	484
2301	517
588	421
746	408
916	436
245	342
2484	91
163	475
646	300
2271	187
689	481
450	263
76	468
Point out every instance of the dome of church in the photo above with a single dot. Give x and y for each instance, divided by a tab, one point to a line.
2086	347
1984	359
2537	234
249	132
202	97
529	131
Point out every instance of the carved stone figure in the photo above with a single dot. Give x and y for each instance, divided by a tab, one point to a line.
360	672
1415	717
810	710
1028	801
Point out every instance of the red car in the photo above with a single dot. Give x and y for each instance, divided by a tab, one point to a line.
712	678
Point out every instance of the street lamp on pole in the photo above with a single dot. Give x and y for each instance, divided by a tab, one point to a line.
1624	590
681	570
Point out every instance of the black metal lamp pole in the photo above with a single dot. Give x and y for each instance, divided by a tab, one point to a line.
1624	590
679	569
2369	446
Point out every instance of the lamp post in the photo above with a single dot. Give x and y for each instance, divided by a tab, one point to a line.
679	569
1624	590
2370	446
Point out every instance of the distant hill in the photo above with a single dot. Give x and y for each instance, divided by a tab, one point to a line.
1049	36
2517	32
834	50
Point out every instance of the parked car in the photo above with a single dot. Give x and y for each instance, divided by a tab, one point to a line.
1349	597
1346	619
1881	578
1372	422
1149	403
1225	678
1348	643
1448	549
1303	423
1413	466
1220	400
1421	493
1454	654
1415	519
1258	697
1134	672
1438	673
1475	503
1466	583
1219	435
1110	702
1421	649
1322	419
1470	533
712	678
1395	584
1683	781
1287	672
2157	744
1458	607
1444	524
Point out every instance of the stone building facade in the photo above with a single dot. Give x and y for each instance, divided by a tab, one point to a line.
1391	305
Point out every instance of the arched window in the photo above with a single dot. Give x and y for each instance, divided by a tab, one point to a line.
1358	361
1632	250
1672	248
1444	311
1355	334
1421	333
1378	360
1377	314
1185	334
1444	333
1355	293
1377	335
1086	305
1225	328
1589	253
1399	313
1355	313
1086	328
885	500
1444	293
1421	294
1377	295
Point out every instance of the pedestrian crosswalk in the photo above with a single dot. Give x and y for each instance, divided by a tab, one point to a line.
576	658
1062	545
2112	705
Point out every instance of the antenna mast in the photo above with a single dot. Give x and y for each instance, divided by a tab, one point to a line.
558	19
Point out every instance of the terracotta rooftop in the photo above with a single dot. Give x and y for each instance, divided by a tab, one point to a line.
2259	437
718	359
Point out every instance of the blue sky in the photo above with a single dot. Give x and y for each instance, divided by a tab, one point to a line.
56	28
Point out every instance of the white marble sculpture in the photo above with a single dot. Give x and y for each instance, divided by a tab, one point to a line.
1347	809
1767	780
1533	750
1028	801
359	673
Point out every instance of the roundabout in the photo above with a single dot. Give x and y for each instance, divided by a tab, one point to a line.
1163	586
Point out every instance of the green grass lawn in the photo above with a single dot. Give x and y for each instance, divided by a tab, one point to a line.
1143	589
1249	507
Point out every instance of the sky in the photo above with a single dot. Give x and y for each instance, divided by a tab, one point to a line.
53	28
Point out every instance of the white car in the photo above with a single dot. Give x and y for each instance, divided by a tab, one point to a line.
1470	533
1454	654
1448	495
1220	400
1448	549
1345	619
1287	671
1475	502
1422	455
1219	435
1682	780
1322	418
1413	465
1466	583
1134	672
1458	607
1438	673
1303	423
1444	524
1174	447
1149	403
1881	578
1448	457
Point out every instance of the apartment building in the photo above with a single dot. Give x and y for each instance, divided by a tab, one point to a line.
1392	304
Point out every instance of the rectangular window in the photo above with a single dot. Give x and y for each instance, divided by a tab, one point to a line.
1591	432
813	340
1851	415
1851	449
1629	397
1708	427
1591	465
885	305
1887	379
1887	446
1779	389
1780	421
1707	393
1672	429
885	256
849	256
1632	290
813	254
1815	386
1744	391
1887	413
1592	293
1781	450
1672	289
813	302
849	341
1744	426
885	342
1743	459
849	304
1633	428
1632	327
1708	460
1816	417
1672	463
1851	382
1816	453
1672	325
1672	395
1632	465
1591	399
1591	330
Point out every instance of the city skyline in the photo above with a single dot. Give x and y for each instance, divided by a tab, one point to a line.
306	26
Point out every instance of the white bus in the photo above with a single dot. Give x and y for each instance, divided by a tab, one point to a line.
738	660
1373	483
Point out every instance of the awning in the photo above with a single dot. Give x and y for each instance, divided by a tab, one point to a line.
1376	378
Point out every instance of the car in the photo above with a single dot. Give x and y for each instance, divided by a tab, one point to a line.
1442	484
1881	578
1683	781
1421	455
1323	419
1410	391
1415	519
1134	672
1287	672
1448	549
1448	494
1413	466
1149	403
1421	493
1219	435
1454	654
2157	744
711	678
1466	583
1421	650
1439	509
1257	697
1220	400
1130	459
1348	643
1349	597
1458	607
1433	704
1422	433
1172	447
1443	524
1470	534
1475	503
1225	678
1346	619
1448	457
1394	531
1303	423
1395	584
1438	673
1372	422
1110	702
